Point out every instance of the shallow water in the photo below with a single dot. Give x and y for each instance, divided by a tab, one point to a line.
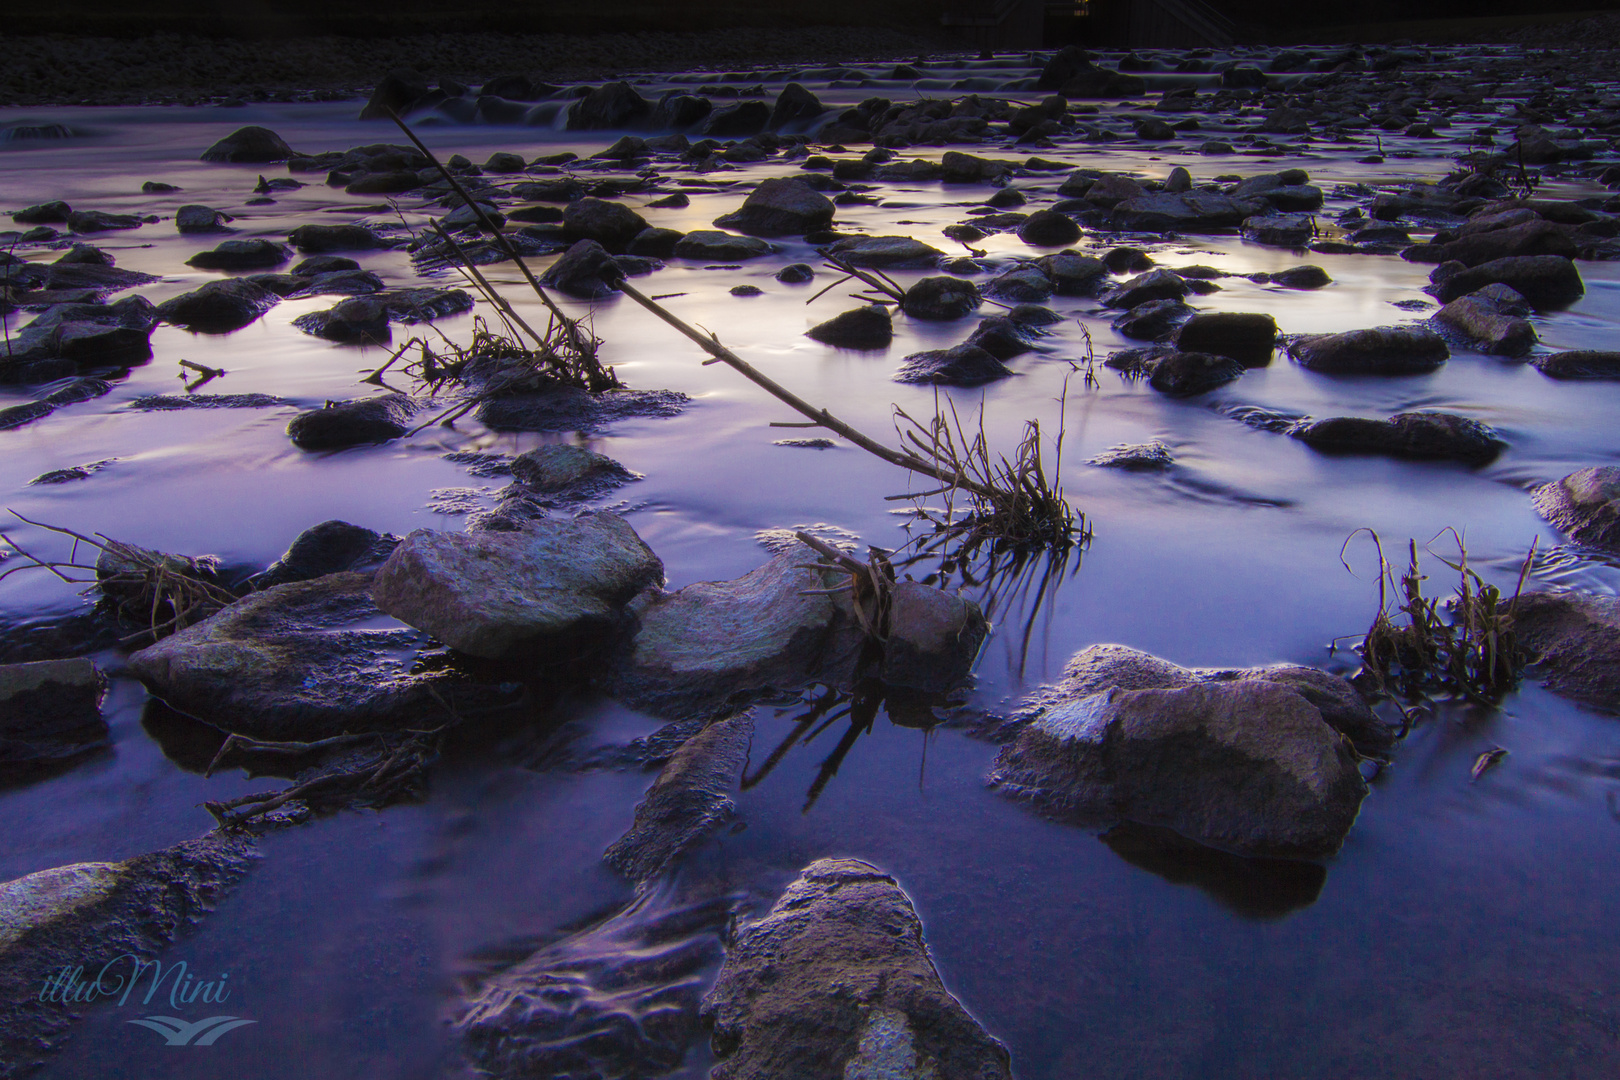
1463	930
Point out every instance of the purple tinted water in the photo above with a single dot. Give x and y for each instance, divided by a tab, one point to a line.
1463	931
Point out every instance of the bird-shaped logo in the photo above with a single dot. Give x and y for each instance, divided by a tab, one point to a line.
177	1032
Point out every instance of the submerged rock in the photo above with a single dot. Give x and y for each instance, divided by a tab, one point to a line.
780	207
866	328
93	913
1251	761
1135	456
352	423
1384	350
1585	506
1423	435
963	365
557	583
558	468
886	252
1579	364
50	713
219	306
690	799
836	983
304	661
1575	640
568	408
365	320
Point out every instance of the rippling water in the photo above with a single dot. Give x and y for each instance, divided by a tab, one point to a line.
1465	930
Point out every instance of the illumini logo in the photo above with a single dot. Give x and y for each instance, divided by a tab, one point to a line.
177	1032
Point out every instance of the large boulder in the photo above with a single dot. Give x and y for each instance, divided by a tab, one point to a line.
717	641
1547	281
614	105
1574	638
795	106
781	206
306	661
249	145
836	983
50	714
1421	435
1256	762
395	94
1247	337
1585	506
690	799
559	585
95	917
611	224
219	306
1382	350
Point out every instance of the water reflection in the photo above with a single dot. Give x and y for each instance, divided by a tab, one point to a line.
1253	888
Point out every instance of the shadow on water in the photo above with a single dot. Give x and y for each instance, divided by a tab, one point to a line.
1253	888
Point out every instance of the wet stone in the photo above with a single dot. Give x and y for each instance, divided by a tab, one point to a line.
352	423
1426	435
1148	456
1298	277
50	714
319	239
1021	284
1153	321
711	245
1384	350
1585	506
249	145
963	365
1546	281
1490	321
1574	639
941	298
201	219
1185	374
242	255
1245	337
568	408
780	207
219	306
1048	228
867	328
558	468
1579	364
886	252
328	548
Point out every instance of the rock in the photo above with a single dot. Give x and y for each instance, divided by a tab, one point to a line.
959	168
1064	65
610	224
501	162
1574	639
1135	456
1489	320
1424	435
568	408
1153	285
690	799
886	252
1530	238
92	335
711	245
796	274
352	423
1022	284
1100	82
50	213
317	239
934	637
50	714
743	118
780	207
836	982
91	914
1187	212
336	283
88	221
242	255
1547	281
505	595
1073	275
1246	337
859	328
360	320
1048	228
1300	277
616	999
1585	506
794	105
219	306
1243	761
1108	190
716	642
201	219
561	467
1243	77
1383	350
305	661
1154	320
613	105
395	93
1184	374
249	145
964	365
655	243
676	111
1580	364
1280	230
940	298
585	271
328	548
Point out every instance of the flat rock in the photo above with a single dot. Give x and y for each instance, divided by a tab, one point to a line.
963	365
690	799
780	207
501	595
1143	457
1196	212
836	983
568	408
1585	506
50	714
1574	638
711	245
1383	350
242	255
1420	435
1246	762
319	239
304	661
1579	364
886	252
87	915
